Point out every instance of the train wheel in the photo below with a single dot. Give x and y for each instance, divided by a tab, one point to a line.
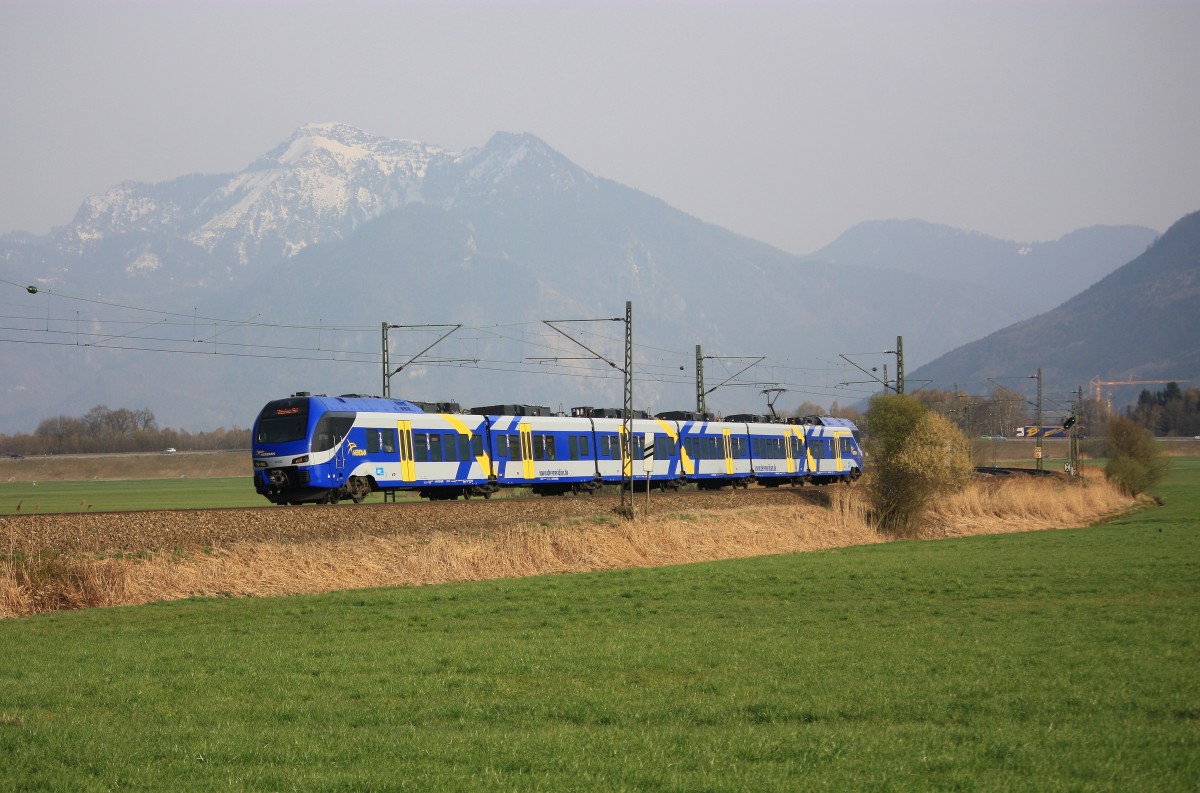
358	489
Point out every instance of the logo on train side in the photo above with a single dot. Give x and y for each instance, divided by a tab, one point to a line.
355	451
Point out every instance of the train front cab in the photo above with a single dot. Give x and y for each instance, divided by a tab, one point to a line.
298	452
326	449
833	452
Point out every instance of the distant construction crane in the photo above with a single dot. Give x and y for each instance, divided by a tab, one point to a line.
1096	382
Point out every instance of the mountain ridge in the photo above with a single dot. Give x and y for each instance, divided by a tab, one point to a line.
1140	322
321	233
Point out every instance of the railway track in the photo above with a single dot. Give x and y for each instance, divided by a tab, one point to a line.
189	531
994	470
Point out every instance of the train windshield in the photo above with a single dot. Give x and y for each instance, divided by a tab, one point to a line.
283	421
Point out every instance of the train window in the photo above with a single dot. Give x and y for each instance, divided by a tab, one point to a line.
420	447
662	447
435	448
608	449
330	430
464	447
514	446
713	453
476	445
544	445
381	440
584	447
573	447
639	446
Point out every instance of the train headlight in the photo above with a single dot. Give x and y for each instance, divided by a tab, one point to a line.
260	463
301	459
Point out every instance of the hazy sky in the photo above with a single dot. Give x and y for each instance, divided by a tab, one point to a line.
784	121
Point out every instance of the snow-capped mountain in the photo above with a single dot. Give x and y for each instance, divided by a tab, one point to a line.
318	185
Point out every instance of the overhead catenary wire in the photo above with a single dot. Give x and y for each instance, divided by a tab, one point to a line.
122	326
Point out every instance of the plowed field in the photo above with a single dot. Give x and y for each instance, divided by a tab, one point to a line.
135	532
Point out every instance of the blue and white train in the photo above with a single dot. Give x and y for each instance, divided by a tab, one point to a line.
327	449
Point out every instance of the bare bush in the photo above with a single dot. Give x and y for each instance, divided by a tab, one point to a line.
1135	462
915	455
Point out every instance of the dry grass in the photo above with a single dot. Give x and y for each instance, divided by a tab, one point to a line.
311	564
1016	504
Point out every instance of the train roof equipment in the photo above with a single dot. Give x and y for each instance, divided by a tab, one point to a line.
589	412
511	410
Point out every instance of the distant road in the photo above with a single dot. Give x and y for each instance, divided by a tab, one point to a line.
93	455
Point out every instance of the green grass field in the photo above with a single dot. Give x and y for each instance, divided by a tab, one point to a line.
123	495
1062	660
120	495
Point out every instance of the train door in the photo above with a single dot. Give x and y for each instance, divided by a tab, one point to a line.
837	452
687	462
526	450
408	470
626	454
728	450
